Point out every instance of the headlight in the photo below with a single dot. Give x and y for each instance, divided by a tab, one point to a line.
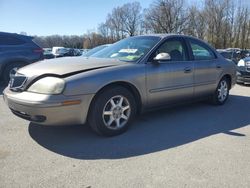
48	85
241	63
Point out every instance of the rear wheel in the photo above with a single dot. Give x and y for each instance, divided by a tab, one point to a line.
9	70
222	92
112	111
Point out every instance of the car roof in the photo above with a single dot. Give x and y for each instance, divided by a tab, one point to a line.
164	35
16	35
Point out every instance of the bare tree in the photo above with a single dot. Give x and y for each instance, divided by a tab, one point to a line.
132	18
166	16
196	22
223	23
93	39
215	13
122	22
57	40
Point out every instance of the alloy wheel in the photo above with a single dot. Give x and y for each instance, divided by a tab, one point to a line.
222	91
116	112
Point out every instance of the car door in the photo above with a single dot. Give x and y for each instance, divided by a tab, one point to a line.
170	81
206	68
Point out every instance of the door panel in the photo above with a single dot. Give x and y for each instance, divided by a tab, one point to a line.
169	83
206	68
205	77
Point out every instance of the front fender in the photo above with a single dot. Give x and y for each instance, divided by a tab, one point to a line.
93	81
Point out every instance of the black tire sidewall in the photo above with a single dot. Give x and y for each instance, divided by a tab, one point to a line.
96	111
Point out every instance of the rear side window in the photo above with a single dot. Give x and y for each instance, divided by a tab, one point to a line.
201	51
9	40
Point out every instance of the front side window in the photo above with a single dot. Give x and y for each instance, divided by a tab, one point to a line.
201	51
174	48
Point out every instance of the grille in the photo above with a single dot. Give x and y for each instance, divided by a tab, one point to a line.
248	66
17	82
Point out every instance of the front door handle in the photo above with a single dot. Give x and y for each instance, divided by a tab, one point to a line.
187	70
218	66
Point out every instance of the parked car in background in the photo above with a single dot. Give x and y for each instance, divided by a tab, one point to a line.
77	52
47	50
83	51
65	52
110	87
233	49
244	53
59	51
243	71
234	54
95	50
47	53
17	51
69	52
230	54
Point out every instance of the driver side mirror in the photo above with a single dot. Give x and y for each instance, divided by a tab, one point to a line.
162	57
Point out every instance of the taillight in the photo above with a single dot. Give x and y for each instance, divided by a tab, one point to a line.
38	50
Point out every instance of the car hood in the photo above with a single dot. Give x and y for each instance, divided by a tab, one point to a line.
67	65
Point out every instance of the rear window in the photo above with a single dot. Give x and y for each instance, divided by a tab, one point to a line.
9	40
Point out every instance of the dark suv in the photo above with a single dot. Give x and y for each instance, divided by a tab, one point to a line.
243	71
16	51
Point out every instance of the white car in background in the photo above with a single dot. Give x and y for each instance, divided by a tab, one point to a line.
59	51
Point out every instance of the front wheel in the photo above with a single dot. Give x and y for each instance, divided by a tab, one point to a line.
112	111
222	92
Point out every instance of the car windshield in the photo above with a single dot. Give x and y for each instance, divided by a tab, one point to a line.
94	50
130	49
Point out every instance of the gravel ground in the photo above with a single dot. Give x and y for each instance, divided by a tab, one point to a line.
197	145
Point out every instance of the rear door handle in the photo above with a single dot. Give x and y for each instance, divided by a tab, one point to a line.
187	70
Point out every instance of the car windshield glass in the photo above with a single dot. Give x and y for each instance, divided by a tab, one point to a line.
130	49
94	50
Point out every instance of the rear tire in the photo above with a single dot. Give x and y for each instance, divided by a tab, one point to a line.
8	69
112	111
221	93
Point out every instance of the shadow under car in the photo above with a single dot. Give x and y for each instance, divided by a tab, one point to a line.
151	132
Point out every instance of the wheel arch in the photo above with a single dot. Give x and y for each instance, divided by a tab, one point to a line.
130	87
229	78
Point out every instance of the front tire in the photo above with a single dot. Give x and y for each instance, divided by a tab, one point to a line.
221	93
112	111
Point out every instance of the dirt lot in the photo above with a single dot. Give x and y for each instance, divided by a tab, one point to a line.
196	145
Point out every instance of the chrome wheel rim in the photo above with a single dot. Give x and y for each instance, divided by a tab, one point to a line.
116	112
222	91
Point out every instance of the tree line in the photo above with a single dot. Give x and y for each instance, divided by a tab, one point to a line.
222	23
